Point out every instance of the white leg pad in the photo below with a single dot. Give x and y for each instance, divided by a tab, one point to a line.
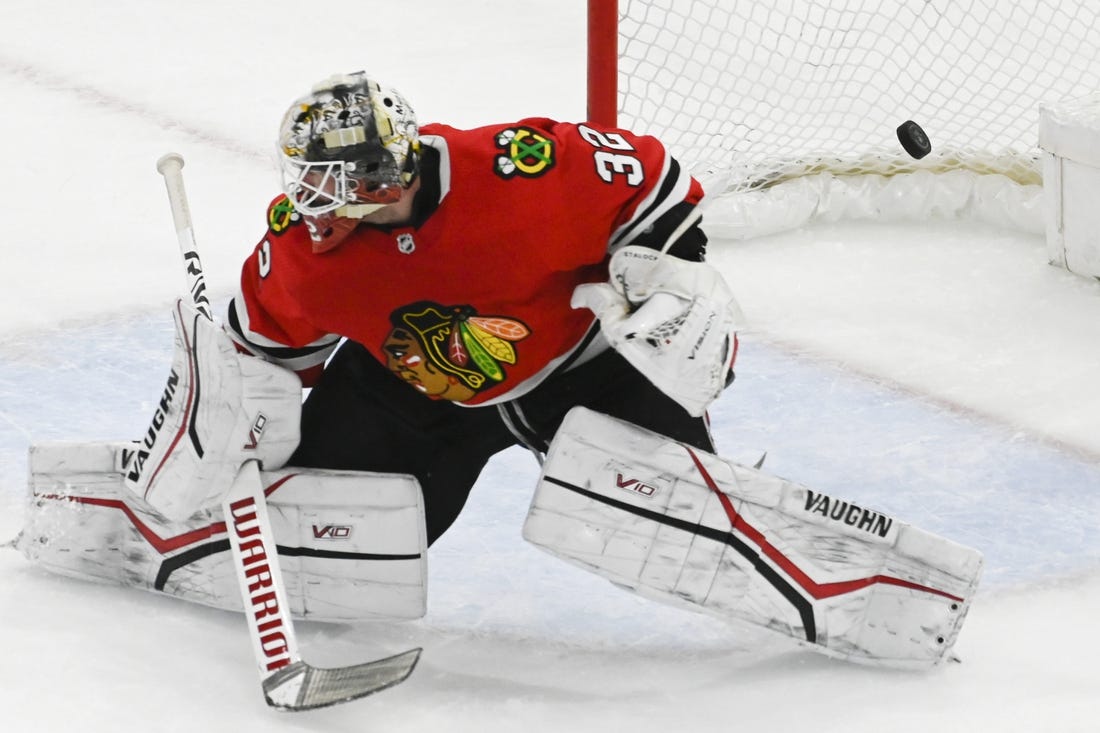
687	527
352	544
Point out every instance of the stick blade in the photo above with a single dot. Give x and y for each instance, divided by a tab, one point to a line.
302	687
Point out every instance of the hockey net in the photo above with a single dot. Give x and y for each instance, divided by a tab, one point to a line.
754	95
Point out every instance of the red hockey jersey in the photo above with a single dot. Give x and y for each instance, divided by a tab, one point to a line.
472	305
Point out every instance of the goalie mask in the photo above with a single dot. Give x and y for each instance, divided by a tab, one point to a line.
346	149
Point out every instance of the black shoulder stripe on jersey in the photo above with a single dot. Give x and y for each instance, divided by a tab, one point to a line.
691	245
667	186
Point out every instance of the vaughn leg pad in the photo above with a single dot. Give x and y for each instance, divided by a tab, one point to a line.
352	545
687	527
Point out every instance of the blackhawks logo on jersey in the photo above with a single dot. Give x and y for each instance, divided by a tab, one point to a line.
450	352
526	153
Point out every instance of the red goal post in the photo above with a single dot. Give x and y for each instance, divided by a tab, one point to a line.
753	94
603	61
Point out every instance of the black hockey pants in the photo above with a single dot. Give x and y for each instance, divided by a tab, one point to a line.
361	417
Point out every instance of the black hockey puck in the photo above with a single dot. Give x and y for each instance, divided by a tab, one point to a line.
913	138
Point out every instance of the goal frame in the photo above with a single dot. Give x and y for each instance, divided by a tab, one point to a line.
603	62
765	187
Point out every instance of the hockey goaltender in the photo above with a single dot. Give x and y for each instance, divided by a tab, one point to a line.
446	294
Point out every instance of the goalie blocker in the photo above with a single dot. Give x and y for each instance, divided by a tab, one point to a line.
689	528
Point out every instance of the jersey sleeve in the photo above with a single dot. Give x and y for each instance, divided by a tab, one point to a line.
634	183
264	319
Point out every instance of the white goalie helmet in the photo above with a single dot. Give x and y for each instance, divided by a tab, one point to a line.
348	148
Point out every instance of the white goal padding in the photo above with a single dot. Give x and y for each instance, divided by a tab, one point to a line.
825	198
1069	134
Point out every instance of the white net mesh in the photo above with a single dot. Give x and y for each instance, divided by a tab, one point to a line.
768	90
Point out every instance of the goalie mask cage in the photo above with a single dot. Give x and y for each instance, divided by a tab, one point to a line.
753	93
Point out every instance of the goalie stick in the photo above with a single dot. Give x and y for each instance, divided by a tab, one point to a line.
289	683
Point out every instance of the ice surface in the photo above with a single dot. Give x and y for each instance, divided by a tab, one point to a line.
941	371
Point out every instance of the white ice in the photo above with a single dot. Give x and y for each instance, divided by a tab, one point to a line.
941	371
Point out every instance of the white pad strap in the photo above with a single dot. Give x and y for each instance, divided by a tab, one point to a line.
219	408
689	528
673	320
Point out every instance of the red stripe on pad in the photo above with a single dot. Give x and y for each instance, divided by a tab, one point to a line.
815	589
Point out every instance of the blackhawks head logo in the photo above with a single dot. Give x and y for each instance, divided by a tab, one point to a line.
450	352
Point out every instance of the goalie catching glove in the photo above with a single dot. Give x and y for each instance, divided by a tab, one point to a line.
672	319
